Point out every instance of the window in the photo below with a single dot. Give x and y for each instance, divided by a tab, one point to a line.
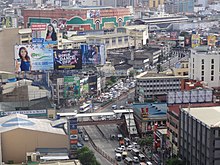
202	72
212	72
212	78
212	61
113	40
126	38
202	78
119	40
212	66
202	67
202	61
107	41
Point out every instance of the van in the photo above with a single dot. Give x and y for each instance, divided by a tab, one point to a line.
141	157
118	156
135	152
128	160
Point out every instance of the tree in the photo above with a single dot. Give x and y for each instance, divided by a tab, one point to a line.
174	161
146	142
87	157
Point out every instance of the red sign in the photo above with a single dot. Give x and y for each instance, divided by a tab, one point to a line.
38	27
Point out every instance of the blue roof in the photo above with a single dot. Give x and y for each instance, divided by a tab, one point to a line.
17	122
154	109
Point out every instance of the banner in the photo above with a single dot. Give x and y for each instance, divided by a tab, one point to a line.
93	54
211	40
33	58
67	59
187	40
46	32
195	40
71	87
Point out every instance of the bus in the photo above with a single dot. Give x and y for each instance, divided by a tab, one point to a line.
85	107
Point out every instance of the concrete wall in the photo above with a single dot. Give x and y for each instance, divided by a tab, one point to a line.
17	142
8	39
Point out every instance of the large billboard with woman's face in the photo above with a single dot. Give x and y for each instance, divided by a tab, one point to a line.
93	54
33	58
67	59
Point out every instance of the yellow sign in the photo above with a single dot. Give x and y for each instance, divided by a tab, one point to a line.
195	40
211	40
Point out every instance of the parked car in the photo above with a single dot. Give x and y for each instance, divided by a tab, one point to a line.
135	159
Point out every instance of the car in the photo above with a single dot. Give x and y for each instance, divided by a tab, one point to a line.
123	147
122	107
114	106
86	138
135	159
130	147
118	150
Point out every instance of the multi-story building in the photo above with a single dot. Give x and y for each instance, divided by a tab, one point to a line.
179	6
181	68
205	65
80	18
152	85
155	3
200	135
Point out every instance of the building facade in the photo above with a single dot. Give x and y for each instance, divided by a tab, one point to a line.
204	66
152	85
179	6
200	135
80	18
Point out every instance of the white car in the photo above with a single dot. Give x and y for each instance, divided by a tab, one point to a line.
135	159
130	147
118	150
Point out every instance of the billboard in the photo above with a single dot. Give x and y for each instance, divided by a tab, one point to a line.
187	40
195	40
67	59
71	87
33	58
211	40
84	86
93	54
73	133
93	13
46	32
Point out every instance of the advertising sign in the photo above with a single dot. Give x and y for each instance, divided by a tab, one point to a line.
84	86
46	31
211	40
33	58
195	40
93	13
93	54
29	113
6	21
67	59
73	133
187	40
174	35
71	87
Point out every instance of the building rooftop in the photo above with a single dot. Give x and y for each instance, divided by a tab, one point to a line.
208	115
156	110
108	35
152	75
16	121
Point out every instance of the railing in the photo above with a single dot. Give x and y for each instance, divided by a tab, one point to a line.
100	151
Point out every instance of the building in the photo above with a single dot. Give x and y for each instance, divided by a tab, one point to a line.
8	39
147	115
155	3
179	6
123	70
90	2
199	135
152	85
181	68
20	134
80	18
205	65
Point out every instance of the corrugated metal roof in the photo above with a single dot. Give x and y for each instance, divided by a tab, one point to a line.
16	121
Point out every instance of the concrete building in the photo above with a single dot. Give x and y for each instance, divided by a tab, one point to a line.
155	3
179	6
20	134
205	65
181	68
152	85
147	115
199	135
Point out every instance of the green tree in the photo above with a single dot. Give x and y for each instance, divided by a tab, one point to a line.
132	73
146	142
113	79
87	157
174	161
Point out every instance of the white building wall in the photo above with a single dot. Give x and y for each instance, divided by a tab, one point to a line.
196	69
